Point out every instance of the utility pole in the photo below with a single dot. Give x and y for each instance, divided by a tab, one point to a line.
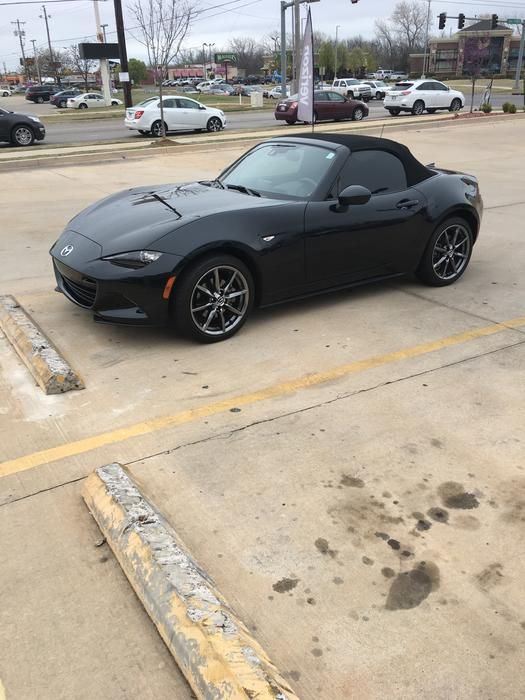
284	6
46	17
37	64
104	68
123	53
520	61
296	45
104	31
335	52
427	32
20	33
204	70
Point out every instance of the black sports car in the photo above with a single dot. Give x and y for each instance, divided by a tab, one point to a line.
293	216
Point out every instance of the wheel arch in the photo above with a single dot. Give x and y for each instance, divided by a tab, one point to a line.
469	215
228	248
18	124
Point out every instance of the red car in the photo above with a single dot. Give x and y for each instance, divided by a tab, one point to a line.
328	105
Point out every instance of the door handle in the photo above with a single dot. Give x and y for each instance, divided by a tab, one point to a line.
407	203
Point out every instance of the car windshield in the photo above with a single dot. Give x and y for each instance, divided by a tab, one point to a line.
280	169
401	86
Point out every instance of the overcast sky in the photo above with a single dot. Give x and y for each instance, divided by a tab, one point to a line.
72	22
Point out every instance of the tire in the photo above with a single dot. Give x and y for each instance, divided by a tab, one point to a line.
394	112
156	128
455	105
62	104
192	307
214	124
441	264
290	121
114	104
143	132
350	94
40	100
82	105
418	108
358	114
379	95
431	110
22	135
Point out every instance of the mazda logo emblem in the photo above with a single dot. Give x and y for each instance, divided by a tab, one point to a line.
66	250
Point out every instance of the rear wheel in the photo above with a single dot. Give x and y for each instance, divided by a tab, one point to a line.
418	107
22	135
62	104
379	95
455	105
447	254
395	111
213	298
214	124
156	129
40	100
358	114
350	94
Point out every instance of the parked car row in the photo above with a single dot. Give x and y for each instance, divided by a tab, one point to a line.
328	105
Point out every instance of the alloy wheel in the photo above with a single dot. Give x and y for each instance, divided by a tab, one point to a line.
23	136
219	300
214	124
418	108
358	114
456	105
451	252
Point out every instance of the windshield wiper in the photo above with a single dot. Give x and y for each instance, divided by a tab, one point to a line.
212	183
244	190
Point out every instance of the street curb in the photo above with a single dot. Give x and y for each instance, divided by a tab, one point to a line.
49	369
212	647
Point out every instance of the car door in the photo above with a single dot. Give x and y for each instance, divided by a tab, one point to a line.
5	126
441	95
338	106
385	236
425	92
322	105
190	113
171	113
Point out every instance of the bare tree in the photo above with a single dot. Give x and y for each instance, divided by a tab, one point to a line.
249	53
403	33
162	27
82	66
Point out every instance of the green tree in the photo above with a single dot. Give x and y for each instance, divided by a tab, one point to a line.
137	71
326	57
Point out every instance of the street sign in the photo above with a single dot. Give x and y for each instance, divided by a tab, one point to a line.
96	51
514	21
223	57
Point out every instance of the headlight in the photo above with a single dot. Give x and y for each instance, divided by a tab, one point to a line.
34	119
135	259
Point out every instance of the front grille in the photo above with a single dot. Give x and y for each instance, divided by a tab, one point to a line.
83	293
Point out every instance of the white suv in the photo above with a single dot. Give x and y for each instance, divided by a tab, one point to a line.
416	96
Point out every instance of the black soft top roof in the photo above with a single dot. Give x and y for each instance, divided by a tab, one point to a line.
416	171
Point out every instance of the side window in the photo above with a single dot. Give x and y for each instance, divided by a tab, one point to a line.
187	104
379	171
321	97
425	86
335	97
169	103
439	86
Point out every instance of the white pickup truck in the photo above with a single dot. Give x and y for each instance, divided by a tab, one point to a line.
353	88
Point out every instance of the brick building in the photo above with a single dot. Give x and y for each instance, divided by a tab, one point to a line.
477	48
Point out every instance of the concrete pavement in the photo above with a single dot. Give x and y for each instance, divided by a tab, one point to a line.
366	527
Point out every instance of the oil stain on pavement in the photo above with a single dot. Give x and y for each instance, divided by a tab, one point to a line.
410	588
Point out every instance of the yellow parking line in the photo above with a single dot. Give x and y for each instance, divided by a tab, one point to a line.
111	437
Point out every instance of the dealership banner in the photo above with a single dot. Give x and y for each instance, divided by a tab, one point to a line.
305	109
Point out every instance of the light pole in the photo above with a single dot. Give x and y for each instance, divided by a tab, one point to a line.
20	33
338	27
46	17
103	27
427	31
209	50
204	72
37	65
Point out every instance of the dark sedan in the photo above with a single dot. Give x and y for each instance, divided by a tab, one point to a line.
20	129
328	106
293	216
59	99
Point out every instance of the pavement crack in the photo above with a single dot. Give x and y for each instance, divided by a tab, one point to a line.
37	493
227	434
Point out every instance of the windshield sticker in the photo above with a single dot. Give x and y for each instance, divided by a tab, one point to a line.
330	155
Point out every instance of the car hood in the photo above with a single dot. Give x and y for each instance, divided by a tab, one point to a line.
134	219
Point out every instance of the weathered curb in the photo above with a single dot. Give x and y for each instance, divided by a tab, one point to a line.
212	647
49	369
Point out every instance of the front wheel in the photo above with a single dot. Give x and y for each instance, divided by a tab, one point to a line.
350	94
62	104
455	105
418	108
379	95
358	114
214	124
22	135
82	105
213	298
447	254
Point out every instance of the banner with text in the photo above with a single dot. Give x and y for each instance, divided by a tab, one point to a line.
305	109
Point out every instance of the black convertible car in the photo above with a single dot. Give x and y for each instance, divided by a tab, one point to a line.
293	216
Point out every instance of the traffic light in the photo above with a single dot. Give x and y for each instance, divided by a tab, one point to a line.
442	20
461	20
494	21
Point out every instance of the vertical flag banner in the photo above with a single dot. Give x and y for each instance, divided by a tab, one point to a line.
305	109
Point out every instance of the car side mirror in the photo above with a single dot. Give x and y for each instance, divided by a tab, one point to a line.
202	107
354	194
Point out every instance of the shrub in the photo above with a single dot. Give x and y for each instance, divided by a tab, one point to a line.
505	106
486	108
512	109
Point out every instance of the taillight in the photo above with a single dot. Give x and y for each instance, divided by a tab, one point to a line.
292	105
139	113
406	92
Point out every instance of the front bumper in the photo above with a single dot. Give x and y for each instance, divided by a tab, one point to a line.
116	294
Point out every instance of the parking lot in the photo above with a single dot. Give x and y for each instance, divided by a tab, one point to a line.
350	469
